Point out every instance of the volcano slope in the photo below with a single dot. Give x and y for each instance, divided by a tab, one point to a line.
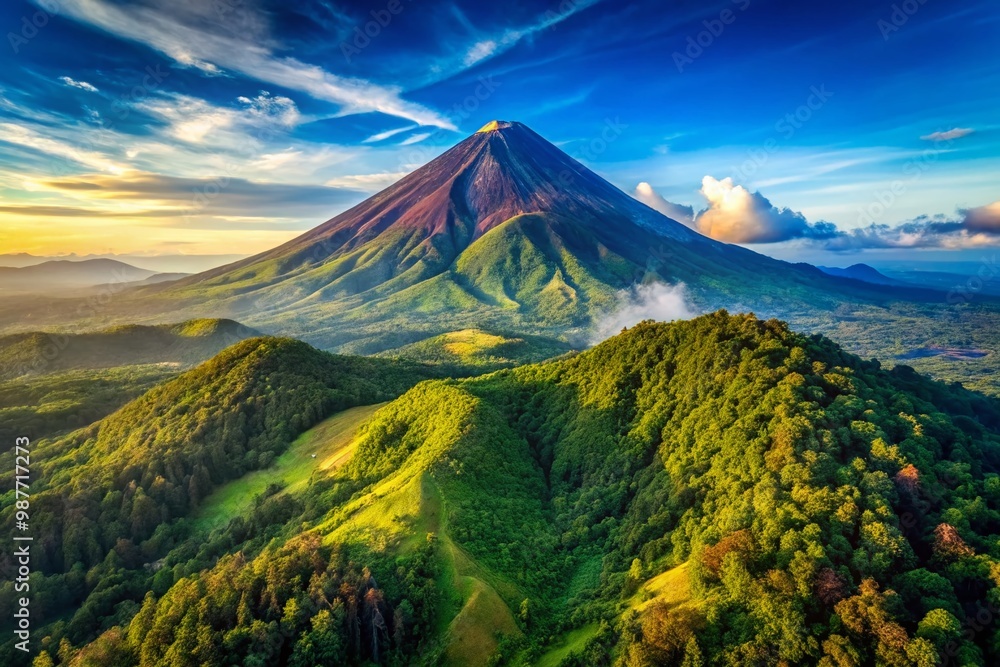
717	491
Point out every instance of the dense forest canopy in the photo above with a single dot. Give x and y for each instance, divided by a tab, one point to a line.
717	491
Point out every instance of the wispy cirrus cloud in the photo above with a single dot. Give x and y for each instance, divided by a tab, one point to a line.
155	195
382	136
196	39
196	121
948	135
34	139
82	85
488	46
415	139
367	182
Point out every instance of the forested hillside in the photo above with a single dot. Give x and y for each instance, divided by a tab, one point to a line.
106	499
718	491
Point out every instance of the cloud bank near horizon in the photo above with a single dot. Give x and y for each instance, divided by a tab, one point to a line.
733	214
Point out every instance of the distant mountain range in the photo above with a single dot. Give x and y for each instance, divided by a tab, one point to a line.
155	263
864	273
68	274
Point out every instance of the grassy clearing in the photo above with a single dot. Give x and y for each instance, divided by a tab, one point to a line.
483	616
324	447
574	640
672	587
396	516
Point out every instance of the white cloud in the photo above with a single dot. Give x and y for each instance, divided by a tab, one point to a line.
195	43
645	193
382	136
480	51
487	47
416	138
196	121
983	218
948	135
654	301
736	215
22	135
82	85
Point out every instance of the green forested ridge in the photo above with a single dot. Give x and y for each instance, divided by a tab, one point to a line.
48	405
105	498
718	491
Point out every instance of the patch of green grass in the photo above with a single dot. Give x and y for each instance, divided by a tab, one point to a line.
479	350
586	577
325	447
574	640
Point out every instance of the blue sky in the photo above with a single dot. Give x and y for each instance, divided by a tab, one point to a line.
232	125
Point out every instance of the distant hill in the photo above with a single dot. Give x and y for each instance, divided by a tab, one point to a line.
177	346
52	275
980	280
864	273
163	278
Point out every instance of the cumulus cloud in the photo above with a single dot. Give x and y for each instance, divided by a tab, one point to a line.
645	193
948	135
736	215
984	219
970	228
654	301
82	85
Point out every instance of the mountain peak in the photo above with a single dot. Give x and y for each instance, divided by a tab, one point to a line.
495	125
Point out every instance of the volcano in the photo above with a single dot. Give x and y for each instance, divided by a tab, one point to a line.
504	231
